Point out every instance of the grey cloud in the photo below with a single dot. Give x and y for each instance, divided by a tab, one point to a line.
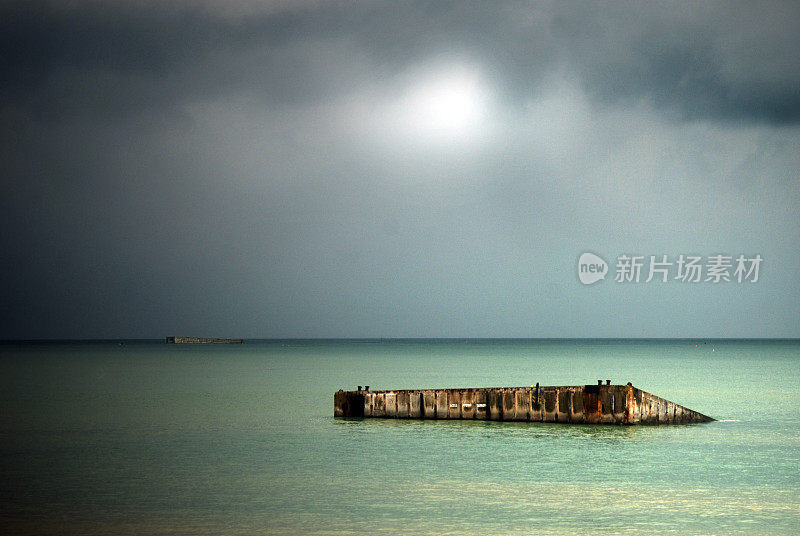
694	61
176	169
702	60
110	59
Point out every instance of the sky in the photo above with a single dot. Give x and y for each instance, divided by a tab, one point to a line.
399	169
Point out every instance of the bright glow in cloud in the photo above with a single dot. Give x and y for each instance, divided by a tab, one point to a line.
442	107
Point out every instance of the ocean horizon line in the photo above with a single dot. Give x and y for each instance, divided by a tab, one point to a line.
407	339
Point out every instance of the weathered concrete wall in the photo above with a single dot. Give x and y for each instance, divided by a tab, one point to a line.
201	340
581	404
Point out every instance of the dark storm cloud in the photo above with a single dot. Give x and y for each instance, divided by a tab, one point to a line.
206	166
732	60
109	58
706	60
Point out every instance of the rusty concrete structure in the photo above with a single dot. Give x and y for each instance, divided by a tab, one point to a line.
201	340
581	404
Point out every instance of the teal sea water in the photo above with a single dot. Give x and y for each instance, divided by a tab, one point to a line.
149	438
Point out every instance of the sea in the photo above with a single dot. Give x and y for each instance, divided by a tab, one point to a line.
143	437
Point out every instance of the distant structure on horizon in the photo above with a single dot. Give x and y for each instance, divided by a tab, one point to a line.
202	340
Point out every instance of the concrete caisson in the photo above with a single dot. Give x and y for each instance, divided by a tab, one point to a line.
581	404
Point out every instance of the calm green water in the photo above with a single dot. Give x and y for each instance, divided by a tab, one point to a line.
173	439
